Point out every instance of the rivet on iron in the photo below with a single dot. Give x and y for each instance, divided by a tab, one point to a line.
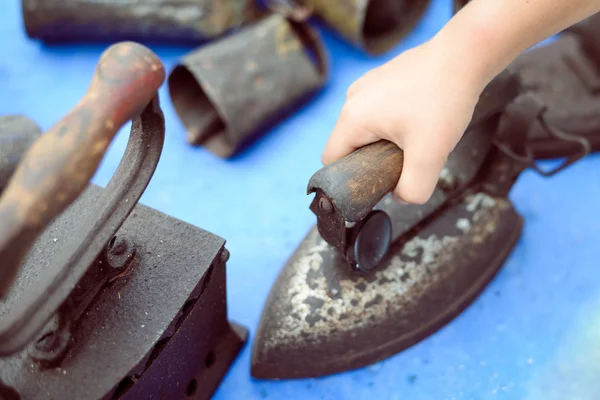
120	252
225	255
325	205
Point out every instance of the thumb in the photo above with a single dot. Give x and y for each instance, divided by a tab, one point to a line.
348	135
420	172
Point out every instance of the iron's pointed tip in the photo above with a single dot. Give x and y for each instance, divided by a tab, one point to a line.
321	319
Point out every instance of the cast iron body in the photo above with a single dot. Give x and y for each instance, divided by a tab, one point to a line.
17	133
375	26
181	21
227	92
322	317
112	299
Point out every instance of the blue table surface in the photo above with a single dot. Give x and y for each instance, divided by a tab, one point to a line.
533	334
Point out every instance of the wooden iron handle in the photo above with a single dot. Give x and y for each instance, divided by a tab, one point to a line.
58	166
357	182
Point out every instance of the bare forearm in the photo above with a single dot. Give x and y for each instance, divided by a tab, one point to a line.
487	35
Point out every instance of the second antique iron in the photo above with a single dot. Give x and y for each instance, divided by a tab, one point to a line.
102	297
375	277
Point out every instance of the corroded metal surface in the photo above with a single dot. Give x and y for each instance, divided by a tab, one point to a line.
57	169
182	21
112	300
17	134
352	186
320	320
159	331
372	25
322	317
227	92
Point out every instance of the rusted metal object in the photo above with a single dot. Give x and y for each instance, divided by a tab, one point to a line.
228	92
349	186
323	317
102	291
374	26
181	21
17	134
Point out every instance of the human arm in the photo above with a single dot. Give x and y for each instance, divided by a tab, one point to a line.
423	99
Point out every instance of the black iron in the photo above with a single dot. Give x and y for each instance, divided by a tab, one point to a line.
17	134
322	317
228	92
157	21
108	305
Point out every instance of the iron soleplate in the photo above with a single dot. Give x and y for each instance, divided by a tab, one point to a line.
322	319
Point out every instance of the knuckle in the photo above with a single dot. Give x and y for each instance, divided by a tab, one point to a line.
350	111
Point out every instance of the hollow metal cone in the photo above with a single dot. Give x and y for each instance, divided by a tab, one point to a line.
180	21
372	25
228	92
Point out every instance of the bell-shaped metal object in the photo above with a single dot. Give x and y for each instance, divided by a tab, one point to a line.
228	92
97	301
172	21
17	134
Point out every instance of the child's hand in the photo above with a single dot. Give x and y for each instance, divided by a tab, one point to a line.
422	101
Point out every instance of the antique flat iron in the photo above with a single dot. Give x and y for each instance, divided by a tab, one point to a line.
375	277
102	297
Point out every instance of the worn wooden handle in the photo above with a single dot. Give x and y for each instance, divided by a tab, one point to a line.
58	166
357	182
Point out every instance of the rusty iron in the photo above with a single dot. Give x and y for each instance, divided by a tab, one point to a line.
375	26
17	134
101	290
349	185
179	21
324	315
230	91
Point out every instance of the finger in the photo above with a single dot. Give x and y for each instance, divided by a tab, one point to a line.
420	173
348	135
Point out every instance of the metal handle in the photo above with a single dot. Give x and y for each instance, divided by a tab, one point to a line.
58	166
357	182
